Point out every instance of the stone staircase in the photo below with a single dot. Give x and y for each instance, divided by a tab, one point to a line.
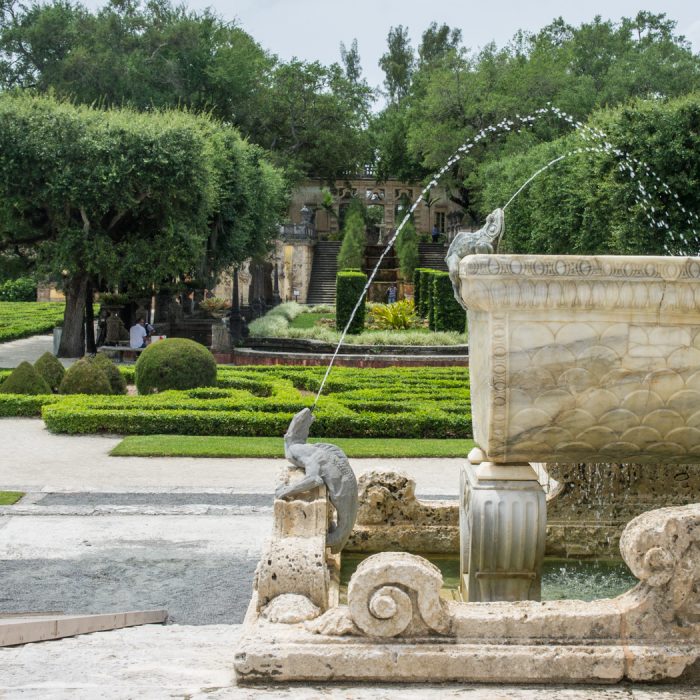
323	272
432	255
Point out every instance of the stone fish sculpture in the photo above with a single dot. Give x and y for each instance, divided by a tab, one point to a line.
485	240
324	464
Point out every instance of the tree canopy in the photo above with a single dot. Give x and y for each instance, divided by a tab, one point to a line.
154	54
453	93
127	197
607	200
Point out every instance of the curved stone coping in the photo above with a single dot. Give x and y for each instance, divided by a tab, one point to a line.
601	283
317	346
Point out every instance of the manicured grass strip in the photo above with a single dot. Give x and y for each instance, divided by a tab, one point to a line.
225	446
308	320
8	498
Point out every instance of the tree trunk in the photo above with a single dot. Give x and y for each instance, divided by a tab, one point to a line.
90	347
73	338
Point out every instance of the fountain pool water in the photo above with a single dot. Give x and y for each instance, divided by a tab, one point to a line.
562	579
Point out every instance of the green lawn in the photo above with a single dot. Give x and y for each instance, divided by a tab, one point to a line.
230	446
19	319
308	320
8	498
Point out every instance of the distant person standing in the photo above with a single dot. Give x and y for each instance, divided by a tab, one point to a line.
138	335
392	294
435	233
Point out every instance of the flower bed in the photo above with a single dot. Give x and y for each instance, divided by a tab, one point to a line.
260	401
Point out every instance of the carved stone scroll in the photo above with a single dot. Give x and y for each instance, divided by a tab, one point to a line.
395	593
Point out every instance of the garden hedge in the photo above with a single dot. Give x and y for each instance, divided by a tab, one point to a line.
447	314
20	319
426	293
260	401
417	290
349	286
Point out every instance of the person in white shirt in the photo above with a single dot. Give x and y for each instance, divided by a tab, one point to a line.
138	334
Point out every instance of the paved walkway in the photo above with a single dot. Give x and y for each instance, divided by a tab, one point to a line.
29	349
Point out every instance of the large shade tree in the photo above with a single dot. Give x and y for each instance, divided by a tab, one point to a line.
453	94
601	200
311	117
141	54
127	198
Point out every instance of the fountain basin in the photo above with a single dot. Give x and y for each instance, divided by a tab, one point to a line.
398	627
581	358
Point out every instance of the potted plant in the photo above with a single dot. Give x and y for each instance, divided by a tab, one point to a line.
216	307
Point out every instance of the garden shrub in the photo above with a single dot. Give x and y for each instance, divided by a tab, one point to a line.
174	363
275	322
448	315
349	288
85	377
24	379
407	250
399	315
116	379
51	369
426	296
21	289
425	289
416	290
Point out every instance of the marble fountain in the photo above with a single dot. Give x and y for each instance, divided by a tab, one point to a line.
573	360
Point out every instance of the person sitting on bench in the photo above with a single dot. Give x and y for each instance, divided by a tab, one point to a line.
138	335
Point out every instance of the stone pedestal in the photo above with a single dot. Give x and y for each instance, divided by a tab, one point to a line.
503	519
294	559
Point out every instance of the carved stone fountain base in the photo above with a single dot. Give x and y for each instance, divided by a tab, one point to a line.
396	627
279	653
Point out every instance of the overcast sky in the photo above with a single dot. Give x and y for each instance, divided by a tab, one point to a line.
313	29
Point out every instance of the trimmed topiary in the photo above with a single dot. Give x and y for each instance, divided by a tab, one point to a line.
416	290
116	380
425	291
174	363
348	288
426	296
448	315
85	377
407	250
24	379
51	369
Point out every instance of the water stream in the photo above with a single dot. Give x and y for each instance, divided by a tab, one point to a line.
627	162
